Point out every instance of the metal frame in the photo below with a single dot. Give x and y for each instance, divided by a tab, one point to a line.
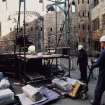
65	9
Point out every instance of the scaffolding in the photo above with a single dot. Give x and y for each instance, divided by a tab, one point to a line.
65	32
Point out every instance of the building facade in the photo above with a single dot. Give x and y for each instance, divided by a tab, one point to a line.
73	14
84	22
53	23
61	30
98	21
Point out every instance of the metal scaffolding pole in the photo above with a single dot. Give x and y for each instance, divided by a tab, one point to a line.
66	26
56	27
18	28
24	33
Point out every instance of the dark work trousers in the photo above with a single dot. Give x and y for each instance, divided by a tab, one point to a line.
100	88
83	72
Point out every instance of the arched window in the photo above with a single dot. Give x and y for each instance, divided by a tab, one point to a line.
83	27
3	0
83	14
31	29
40	1
88	14
82	1
61	29
41	28
51	29
78	1
96	2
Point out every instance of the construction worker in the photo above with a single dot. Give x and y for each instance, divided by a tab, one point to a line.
83	62
100	87
31	49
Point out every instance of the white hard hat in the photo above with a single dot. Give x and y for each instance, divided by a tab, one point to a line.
102	39
80	47
31	49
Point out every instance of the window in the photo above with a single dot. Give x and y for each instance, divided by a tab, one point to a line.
40	1
83	14
79	26
51	29
95	24
88	14
103	20
78	13
61	29
84	40
78	1
22	0
88	27
41	29
82	1
3	0
83	27
97	45
31	28
20	30
10	29
96	2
